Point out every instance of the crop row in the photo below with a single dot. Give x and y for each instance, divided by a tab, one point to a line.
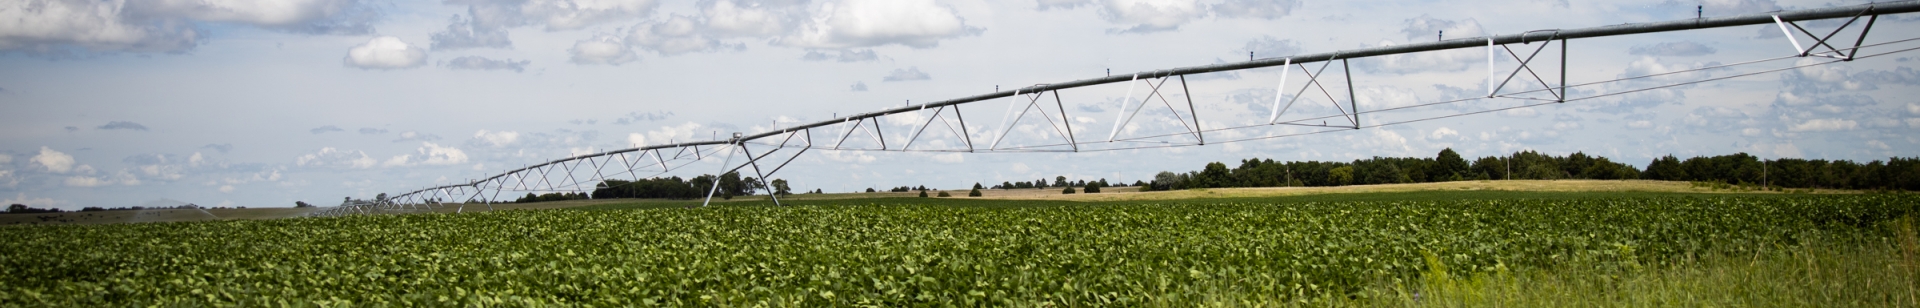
889	254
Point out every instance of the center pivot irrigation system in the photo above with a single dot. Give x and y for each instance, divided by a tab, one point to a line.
1180	120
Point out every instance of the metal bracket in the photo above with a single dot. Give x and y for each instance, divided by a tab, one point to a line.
1153	93
1313	81
1821	41
1033	103
1526	65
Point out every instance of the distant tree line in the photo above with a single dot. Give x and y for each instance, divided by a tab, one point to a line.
1740	168
908	188
1902	173
1058	181
551	197
731	184
181	206
24	209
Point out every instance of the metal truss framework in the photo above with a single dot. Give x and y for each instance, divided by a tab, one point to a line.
582	173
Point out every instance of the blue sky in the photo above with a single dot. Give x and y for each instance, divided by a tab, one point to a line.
263	103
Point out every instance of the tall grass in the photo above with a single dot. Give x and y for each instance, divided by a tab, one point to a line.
1858	272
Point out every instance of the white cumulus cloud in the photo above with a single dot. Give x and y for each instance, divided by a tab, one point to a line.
488	20
1443	133
385	53
557	15
673	134
602	49
1262	9
1151	15
86	181
64	27
1824	125
868	23
764	19
435	154
429	154
331	157
636	140
907	74
496	139
53	160
675	36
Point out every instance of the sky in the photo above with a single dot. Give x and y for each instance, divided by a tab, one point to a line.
264	103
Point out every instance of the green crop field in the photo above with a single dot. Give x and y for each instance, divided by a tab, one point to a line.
1435	249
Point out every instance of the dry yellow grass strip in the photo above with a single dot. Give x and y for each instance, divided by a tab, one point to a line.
1107	194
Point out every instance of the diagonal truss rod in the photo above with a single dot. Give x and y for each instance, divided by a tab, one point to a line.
1821	41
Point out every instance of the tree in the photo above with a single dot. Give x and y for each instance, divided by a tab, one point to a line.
1006	185
974	193
1378	171
1449	165
943	194
1165	180
732	185
1493	168
1215	174
870	189
780	187
702	185
923	194
976	185
22	208
1341	176
1665	168
1091	187
1061	181
1067	191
